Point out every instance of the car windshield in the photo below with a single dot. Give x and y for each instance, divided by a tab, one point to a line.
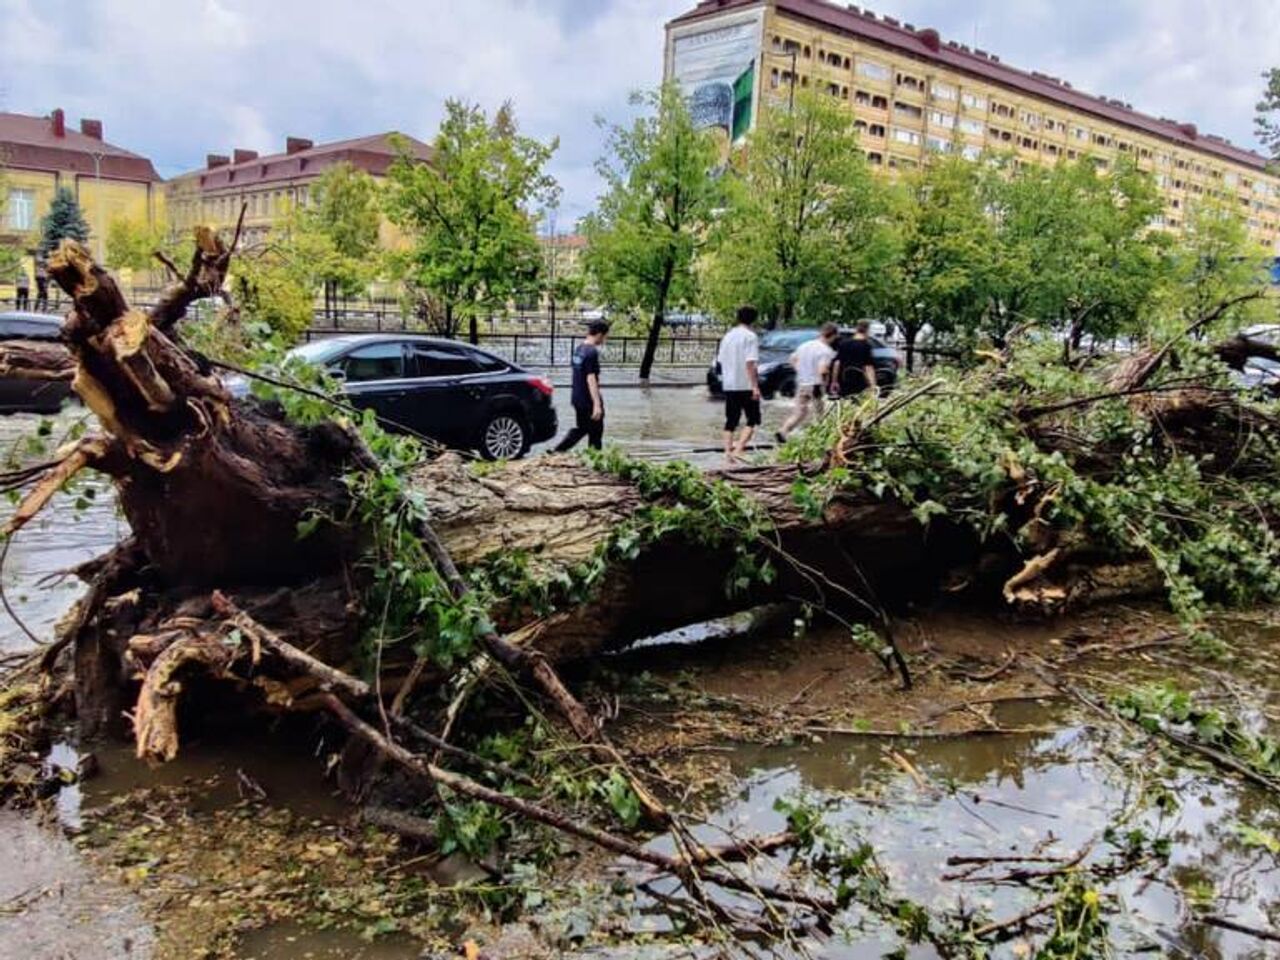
779	340
319	351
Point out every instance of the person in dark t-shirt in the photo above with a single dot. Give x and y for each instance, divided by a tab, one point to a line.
854	368
588	405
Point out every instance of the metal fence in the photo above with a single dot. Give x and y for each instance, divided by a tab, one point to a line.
544	350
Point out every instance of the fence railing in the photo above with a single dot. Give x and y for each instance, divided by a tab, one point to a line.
544	350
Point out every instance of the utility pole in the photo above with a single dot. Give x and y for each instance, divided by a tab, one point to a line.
551	277
97	189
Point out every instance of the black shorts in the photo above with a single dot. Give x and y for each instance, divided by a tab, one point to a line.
738	402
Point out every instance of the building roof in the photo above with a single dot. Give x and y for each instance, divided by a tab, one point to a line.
302	160
926	44
31	143
567	241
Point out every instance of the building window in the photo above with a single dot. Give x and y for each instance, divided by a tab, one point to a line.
906	136
910	82
873	70
876	158
21	212
862	97
971	152
876	130
940	119
974	102
1080	133
907	110
970	125
942	91
938	144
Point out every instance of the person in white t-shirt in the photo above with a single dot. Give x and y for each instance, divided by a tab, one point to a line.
739	358
813	368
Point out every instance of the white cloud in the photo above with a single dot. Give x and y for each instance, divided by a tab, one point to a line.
190	77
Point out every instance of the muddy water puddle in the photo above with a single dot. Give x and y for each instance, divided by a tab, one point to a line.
1044	796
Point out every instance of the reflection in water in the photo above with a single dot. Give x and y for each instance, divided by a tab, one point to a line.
1043	795
60	538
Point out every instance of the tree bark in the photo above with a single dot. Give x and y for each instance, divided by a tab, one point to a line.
655	327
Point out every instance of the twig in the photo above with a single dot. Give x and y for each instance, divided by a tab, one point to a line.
1225	924
682	869
1014	922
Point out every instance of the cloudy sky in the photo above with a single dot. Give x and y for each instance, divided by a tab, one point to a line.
177	80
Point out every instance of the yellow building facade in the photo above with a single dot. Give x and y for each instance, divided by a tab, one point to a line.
912	93
39	155
270	186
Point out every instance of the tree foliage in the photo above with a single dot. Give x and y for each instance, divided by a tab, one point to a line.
341	227
1267	119
63	220
1077	251
660	199
804	236
468	211
134	243
943	271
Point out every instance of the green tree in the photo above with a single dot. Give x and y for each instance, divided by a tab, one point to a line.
1267	119
1076	248
654	216
942	278
63	220
132	243
468	212
345	213
804	234
1216	270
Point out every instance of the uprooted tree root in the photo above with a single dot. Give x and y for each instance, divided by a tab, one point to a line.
312	565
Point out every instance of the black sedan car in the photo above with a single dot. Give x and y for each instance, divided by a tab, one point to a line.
778	377
31	396
448	391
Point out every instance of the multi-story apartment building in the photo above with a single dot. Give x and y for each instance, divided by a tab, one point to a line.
271	185
40	154
911	92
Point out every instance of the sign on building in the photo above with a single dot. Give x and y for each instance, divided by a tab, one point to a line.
715	66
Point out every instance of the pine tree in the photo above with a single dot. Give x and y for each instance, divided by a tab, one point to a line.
64	219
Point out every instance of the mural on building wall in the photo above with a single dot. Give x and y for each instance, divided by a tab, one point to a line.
716	68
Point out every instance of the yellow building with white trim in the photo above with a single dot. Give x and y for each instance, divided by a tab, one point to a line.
912	93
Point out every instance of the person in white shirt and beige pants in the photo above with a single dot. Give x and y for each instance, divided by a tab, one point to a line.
813	368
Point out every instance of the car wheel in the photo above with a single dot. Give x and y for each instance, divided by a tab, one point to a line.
504	437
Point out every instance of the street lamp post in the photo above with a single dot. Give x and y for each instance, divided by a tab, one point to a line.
97	188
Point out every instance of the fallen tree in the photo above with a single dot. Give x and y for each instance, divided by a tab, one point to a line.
298	556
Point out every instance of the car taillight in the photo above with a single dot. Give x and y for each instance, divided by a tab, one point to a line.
542	386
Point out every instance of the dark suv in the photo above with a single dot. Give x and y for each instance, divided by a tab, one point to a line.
448	391
778	377
31	396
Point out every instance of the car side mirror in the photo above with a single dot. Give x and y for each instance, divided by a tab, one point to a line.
338	374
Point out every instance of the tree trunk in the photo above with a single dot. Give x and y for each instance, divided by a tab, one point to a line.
473	328
909	333
655	328
558	512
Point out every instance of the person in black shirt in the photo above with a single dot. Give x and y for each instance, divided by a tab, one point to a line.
854	368
42	286
588	406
